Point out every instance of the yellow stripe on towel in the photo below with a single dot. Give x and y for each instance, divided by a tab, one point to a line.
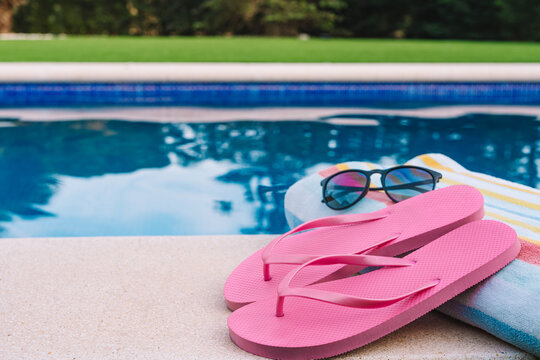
536	242
342	167
497	195
429	161
514	222
371	166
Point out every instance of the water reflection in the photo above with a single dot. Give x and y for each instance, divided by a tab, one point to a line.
127	178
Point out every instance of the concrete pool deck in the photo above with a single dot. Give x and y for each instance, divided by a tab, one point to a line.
161	298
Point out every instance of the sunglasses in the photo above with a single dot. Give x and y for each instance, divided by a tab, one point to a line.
345	188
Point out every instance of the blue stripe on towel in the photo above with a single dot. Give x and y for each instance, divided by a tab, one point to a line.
507	314
518	213
500	329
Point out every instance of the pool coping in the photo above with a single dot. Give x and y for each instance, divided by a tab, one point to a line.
180	114
46	72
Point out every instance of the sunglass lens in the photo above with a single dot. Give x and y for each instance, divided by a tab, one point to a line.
344	189
404	183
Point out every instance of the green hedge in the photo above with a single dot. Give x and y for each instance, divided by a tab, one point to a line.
437	19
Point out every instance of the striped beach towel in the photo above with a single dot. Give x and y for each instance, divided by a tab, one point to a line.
505	304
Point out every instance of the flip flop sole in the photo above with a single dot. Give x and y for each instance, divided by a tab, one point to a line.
312	329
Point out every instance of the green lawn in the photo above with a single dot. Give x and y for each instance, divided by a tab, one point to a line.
251	49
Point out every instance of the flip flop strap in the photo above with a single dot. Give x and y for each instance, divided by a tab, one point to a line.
317	223
298	259
284	288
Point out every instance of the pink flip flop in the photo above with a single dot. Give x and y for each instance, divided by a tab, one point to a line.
331	318
394	230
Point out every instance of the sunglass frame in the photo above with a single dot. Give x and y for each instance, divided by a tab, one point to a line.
367	173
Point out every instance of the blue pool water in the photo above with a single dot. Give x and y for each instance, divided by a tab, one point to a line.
86	178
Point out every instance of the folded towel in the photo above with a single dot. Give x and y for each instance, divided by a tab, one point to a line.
503	304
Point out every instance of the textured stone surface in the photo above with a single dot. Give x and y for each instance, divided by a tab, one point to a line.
172	114
266	72
160	298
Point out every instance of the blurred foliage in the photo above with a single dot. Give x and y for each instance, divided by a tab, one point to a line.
520	19
7	7
479	19
438	19
72	17
269	17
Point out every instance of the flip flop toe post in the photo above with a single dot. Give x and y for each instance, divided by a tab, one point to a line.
328	319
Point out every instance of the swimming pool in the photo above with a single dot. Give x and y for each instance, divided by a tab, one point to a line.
108	177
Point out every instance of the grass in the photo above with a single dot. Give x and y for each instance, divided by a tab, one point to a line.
252	49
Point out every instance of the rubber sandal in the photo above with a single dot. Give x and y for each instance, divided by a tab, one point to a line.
394	230
329	319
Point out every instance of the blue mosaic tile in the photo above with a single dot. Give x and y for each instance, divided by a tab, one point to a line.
265	94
